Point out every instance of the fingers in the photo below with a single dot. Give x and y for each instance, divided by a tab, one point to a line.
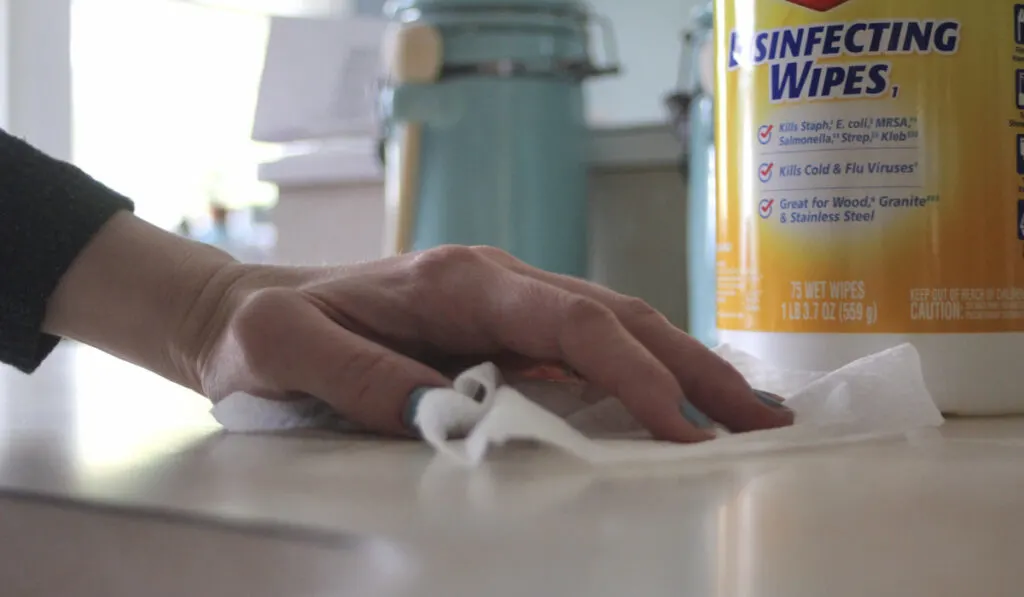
478	302
545	322
707	380
292	344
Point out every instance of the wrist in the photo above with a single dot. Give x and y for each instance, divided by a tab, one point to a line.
206	291
134	292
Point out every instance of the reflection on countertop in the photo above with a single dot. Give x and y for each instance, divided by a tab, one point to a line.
95	450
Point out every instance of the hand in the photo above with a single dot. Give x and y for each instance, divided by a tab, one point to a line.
363	338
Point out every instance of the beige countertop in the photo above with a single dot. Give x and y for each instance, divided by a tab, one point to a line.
116	483
354	161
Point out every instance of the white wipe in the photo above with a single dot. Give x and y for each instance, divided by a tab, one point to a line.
877	396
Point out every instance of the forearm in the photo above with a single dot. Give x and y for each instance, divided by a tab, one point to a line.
141	294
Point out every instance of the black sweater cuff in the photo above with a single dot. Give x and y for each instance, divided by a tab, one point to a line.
49	211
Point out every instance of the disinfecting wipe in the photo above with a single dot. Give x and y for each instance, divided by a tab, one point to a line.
871	188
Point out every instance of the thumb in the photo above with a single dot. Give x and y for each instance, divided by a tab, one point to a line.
295	346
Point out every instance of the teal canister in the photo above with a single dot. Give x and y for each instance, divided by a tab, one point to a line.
487	142
700	224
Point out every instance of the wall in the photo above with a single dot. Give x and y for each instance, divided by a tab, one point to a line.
4	82
168	122
649	39
36	42
37	86
650	42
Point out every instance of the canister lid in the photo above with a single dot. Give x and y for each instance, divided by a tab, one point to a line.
704	60
394	6
703	16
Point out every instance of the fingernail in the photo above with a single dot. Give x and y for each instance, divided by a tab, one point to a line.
411	406
770	399
695	416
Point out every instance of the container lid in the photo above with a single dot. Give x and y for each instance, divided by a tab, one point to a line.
394	6
703	16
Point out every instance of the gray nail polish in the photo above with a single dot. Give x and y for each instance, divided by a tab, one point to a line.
409	414
770	399
695	416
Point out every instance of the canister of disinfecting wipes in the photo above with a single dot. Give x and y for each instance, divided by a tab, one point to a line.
871	187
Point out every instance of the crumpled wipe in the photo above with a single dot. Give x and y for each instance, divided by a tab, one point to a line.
881	395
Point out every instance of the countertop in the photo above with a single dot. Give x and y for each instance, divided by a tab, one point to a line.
354	161
114	482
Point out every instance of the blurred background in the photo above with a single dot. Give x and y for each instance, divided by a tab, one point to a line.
256	125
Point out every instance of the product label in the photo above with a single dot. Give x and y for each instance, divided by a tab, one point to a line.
870	165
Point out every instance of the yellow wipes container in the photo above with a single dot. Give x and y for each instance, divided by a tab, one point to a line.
871	187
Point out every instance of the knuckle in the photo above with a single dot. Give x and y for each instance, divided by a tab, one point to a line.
493	253
363	374
441	260
370	383
638	309
582	311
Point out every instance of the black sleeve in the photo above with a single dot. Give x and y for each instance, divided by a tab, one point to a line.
49	210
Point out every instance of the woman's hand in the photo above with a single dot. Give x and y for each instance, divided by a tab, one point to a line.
364	338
